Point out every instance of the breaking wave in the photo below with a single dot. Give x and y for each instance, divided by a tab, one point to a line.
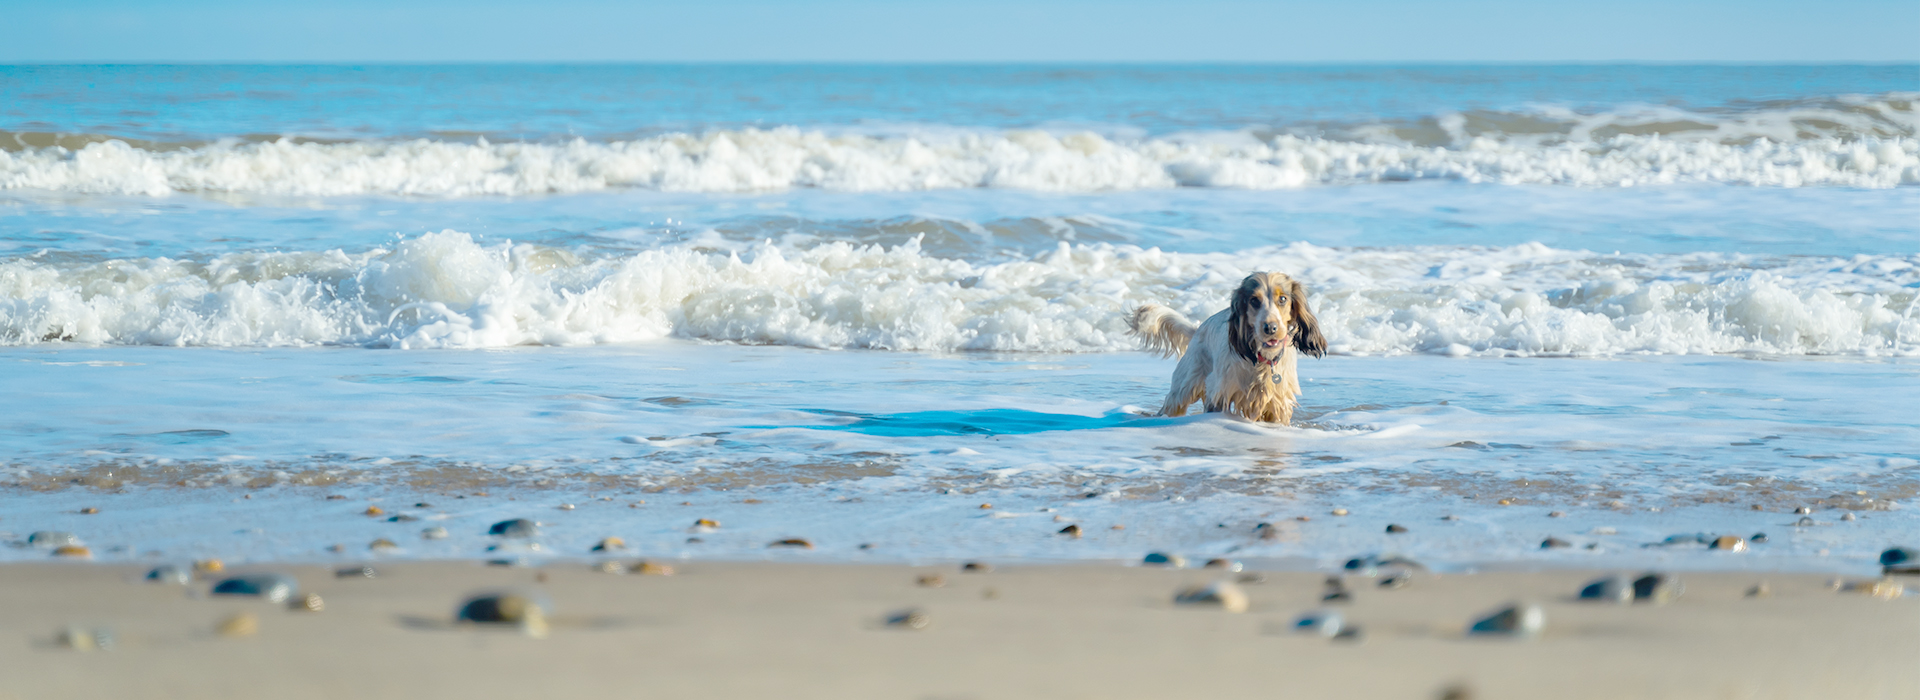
447	290
1854	142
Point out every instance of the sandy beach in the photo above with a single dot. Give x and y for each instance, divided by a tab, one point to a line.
1083	630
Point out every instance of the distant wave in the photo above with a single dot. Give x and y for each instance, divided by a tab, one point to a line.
1838	142
446	290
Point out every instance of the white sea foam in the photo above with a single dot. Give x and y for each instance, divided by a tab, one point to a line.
446	290
1875	143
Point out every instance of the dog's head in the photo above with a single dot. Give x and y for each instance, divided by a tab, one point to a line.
1269	312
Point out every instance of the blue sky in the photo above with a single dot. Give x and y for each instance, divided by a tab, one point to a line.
995	30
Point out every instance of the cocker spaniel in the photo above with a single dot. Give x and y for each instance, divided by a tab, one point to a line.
1241	359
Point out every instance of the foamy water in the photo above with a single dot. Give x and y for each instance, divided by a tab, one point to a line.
854	303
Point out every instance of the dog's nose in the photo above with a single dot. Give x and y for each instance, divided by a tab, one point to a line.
1271	328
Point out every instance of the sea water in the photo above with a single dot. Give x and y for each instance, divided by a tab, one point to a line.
883	306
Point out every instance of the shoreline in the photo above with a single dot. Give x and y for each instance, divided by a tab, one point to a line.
1093	630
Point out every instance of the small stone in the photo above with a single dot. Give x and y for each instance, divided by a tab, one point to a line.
374	510
610	567
274	588
383	545
336	497
566	506
1758	538
48	539
866	545
1223	594
1884	589
519	528
1303	518
244	624
336	548
986	506
423	505
355	572
1396	580
1616	503
1554	543
1505	501
434	533
909	619
651	568
1756	506
694	540
931	581
1336	591
73	551
1760	590
307	603
792	542
1521	620
209	566
1395	529
1339	511
610	544
89	511
1320	623
1730	543
1847	517
1612	589
1803	510
1171	561
1252	577
528	612
1657	588
80	638
1805	522
1557	514
976	567
1071	531
1226	564
1118	527
1449	517
1899	556
402	518
168	573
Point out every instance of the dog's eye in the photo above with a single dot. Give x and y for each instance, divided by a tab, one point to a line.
1256	302
1282	299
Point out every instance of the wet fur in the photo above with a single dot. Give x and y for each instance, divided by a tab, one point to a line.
1223	361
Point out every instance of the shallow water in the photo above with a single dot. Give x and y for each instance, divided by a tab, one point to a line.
872	300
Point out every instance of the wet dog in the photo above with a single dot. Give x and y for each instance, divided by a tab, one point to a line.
1241	359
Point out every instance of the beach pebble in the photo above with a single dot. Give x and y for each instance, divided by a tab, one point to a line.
1339	511
1450	517
986	506
1227	564
1521	620
336	548
1729	543
80	638
1505	501
382	545
1320	623
1803	510
910	619
307	603
244	624
434	533
1223	594
795	542
1557	514
566	506
1395	529
610	544
521	528
1847	517
73	551
336	497
1611	589
49	539
976	567
529	612
423	504
1760	590
168	573
209	566
1336	591
611	567
705	523
1884	589
274	588
931	581
373	510
1554	543
1397	579
1071	531
89	511
1657	588
1758	538
1805	522
402	518
1172	561
651	568
355	572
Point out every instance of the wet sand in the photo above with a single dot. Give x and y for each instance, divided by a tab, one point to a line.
1091	630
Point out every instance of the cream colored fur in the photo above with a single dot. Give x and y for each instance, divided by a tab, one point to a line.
1211	372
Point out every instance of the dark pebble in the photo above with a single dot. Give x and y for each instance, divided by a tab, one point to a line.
1554	543
1522	620
503	608
51	539
355	572
274	588
909	619
1657	588
1396	529
1163	559
517	527
976	567
795	542
1758	538
1805	522
1612	589
1899	556
1071	531
168	573
1321	623
402	519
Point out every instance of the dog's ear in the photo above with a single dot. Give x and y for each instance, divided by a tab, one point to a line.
1306	333
1237	336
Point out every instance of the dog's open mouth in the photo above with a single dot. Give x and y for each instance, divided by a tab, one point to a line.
1272	342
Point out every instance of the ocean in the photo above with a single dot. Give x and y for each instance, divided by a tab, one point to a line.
881	307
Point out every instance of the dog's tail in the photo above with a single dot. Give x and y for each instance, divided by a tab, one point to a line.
1162	330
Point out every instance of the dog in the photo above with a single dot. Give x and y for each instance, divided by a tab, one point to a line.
1242	359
